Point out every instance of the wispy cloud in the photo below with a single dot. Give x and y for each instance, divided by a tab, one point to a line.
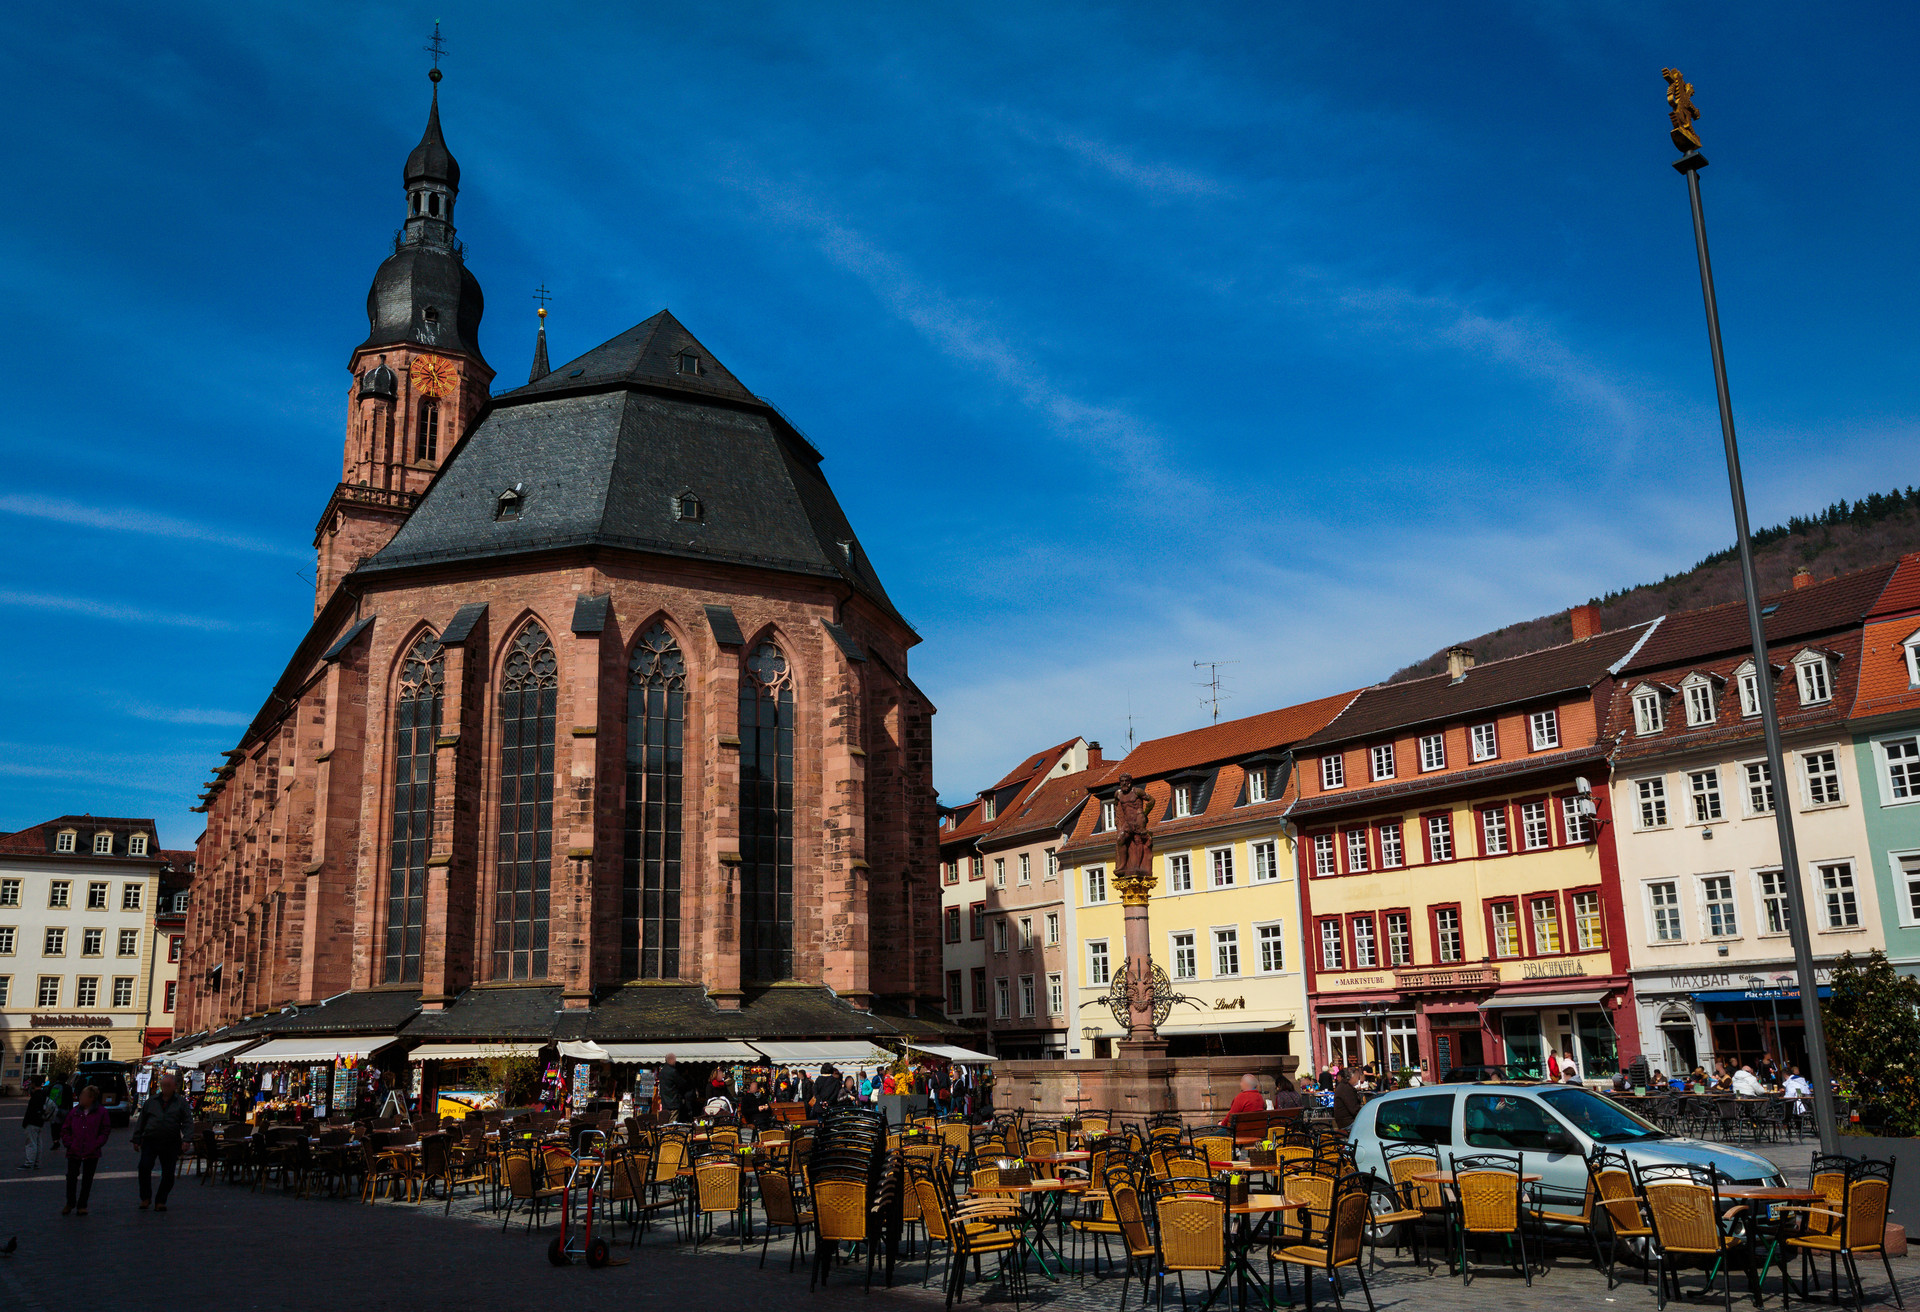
125	520
105	610
183	714
1157	181
107	776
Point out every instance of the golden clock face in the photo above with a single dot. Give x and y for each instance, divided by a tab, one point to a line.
431	376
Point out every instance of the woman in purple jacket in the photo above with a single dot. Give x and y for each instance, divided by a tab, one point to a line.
83	1134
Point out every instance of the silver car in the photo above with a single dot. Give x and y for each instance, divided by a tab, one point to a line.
1554	1127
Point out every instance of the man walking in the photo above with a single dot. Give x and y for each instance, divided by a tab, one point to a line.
33	1122
164	1123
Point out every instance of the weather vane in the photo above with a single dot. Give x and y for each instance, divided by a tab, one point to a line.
1681	110
436	48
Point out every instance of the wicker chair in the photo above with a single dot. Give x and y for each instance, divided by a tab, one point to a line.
781	1212
1214	1146
968	1232
839	1217
1313	1183
1857	1224
1486	1192
1561	1207
718	1189
1690	1226
1340	1244
524	1189
1129	1212
1612	1176
1191	1235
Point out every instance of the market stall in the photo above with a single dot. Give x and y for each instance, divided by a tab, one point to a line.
457	1078
206	1074
304	1078
738	1061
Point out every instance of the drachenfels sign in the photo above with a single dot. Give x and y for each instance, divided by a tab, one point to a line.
72	1022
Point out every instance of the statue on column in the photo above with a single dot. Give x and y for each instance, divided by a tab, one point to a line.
1133	847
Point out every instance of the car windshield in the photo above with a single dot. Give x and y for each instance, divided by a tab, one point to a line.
1597	1118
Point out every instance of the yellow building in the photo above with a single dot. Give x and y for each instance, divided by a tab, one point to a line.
1223	920
1460	897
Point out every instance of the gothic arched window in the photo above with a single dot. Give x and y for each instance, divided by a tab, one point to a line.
650	894
529	696
766	816
416	726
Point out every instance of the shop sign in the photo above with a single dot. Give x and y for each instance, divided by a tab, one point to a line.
1559	969
1356	982
72	1022
1459	977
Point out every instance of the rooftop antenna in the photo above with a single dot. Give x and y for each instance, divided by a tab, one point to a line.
1212	684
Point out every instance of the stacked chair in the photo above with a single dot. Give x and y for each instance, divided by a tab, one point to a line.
844	1170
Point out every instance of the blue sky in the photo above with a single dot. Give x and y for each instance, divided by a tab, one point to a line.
1305	337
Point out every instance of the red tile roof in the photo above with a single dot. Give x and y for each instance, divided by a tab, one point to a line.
1699	635
1267	731
970	822
1902	593
1043	809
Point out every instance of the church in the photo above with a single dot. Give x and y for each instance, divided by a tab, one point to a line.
603	729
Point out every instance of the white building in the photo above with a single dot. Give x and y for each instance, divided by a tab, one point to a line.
76	912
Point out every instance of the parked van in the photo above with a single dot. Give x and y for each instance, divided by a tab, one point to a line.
1555	1127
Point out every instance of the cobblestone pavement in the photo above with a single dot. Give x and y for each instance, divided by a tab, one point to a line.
231	1247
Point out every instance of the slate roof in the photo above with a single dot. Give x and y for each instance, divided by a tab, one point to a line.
1700	635
601	459
37	840
369	1011
1572	667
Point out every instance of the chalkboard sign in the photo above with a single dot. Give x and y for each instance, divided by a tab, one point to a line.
1442	1055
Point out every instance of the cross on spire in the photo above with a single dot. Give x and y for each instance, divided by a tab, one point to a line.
542	295
436	47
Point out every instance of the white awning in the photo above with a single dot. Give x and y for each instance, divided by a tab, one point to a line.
206	1052
313	1050
652	1054
952	1053
1207	1025
471	1051
842	1052
585	1050
1587	999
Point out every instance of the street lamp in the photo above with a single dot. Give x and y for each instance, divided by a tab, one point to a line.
1682	115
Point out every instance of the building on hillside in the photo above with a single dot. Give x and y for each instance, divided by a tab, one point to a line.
1706	904
1459	894
76	907
169	947
1005	978
603	726
1223	920
1886	746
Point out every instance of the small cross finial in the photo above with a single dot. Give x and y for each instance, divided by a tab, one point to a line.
436	47
542	295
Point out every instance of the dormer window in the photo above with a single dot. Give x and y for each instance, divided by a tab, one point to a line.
1911	649
1698	691
137	845
989	808
64	840
1106	816
1256	784
1647	718
1816	680
686	506
687	363
1182	801
510	503
103	844
1749	684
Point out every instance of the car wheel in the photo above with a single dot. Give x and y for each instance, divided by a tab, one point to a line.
1381	1202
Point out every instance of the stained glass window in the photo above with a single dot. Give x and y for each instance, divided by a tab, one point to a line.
529	695
766	816
650	894
416	724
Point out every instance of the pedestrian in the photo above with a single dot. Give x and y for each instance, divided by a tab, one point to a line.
1346	1099
33	1122
1569	1072
83	1134
163	1125
671	1088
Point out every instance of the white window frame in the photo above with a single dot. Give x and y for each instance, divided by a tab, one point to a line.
65	841
1649	716
999	933
1184	953
1578	827
1826	893
1433	752
1333	772
1535	819
1658	912
1747	679
1053	865
1025	934
1256	785
1578	941
53	941
1026	868
1644	798
1904	867
93	941
1264	853
1269	941
1909	768
9	892
1220	869
1771	906
103	843
999	872
1336	944
1053	929
9	938
1839	797
1445	936
1705	805
1098	964
1380	762
1360	853
42	992
1720	878
1326	855
1516	937
1748	784
123	987
1440	833
1813	676
137	845
1370	958
1056	995
1496	831
1395	958
1095	885
1027	997
1543	729
1002	998
1226	939
1393	856
1182	801
1179	873
1106	816
133	896
1696	692
1486	741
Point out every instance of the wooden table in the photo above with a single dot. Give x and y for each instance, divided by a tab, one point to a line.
1770	1193
1446	1177
1238	1165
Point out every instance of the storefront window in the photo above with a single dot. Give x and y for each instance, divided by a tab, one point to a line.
1599	1051
1343	1043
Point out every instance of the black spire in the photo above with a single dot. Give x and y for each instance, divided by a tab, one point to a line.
540	367
433	182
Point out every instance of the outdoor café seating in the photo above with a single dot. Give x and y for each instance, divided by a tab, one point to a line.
1692	1226
1613	1187
1851	1223
1488	1205
1338	1244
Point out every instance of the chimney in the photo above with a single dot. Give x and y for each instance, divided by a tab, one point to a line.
1802	578
1459	661
1586	620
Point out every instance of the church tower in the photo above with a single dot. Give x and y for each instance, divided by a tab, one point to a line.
419	380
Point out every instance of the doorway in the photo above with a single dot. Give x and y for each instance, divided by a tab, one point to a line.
1526	1054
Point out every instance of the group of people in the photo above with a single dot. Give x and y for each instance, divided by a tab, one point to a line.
81	1126
1747	1079
684	1096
